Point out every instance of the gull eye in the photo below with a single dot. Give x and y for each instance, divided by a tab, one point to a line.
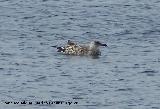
97	42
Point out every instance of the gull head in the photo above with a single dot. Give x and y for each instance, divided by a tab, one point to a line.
96	44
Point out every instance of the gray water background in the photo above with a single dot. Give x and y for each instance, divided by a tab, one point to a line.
125	76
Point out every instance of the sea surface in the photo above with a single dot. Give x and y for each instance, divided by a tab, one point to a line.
125	76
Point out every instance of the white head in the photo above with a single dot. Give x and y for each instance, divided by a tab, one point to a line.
95	44
94	48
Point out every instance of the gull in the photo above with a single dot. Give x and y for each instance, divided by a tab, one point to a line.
72	48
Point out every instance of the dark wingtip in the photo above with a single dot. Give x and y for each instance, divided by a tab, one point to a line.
70	42
60	49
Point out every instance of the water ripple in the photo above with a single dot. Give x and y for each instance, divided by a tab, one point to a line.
126	75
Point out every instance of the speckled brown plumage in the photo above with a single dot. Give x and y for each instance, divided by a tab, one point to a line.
74	49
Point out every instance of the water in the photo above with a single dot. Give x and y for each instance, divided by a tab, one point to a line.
125	76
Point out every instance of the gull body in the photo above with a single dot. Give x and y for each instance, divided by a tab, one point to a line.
72	48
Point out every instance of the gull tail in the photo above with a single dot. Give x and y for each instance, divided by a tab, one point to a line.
59	49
